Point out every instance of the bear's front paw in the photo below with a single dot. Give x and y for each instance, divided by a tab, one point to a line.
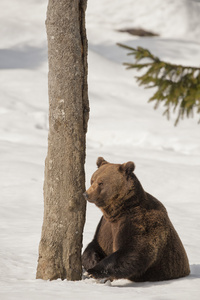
98	274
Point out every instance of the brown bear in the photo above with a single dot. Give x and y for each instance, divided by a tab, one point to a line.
135	238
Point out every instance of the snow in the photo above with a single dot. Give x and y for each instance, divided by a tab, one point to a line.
122	127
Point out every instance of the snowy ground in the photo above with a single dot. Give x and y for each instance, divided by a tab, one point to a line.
122	127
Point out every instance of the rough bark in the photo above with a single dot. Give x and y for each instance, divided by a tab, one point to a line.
64	184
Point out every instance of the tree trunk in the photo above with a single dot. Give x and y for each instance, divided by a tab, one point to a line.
64	184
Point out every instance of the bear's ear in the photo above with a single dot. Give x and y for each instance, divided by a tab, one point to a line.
128	167
101	161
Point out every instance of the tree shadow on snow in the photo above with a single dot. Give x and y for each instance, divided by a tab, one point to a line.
195	273
156	45
22	58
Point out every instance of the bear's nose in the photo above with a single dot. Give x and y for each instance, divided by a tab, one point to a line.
86	195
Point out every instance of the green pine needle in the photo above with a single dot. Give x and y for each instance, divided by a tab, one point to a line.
178	87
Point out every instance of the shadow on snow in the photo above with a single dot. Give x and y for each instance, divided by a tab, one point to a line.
22	58
195	273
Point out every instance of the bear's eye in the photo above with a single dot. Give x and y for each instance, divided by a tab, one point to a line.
100	183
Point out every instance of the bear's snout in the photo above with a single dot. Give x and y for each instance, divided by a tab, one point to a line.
85	195
90	195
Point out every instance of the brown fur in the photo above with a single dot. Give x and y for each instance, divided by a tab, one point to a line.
135	238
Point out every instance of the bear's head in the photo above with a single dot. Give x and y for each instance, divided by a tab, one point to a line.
111	184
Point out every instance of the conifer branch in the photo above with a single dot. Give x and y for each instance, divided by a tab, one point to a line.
178	87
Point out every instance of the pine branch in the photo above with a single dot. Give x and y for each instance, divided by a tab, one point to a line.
178	87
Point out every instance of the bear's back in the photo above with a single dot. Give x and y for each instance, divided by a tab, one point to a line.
172	261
